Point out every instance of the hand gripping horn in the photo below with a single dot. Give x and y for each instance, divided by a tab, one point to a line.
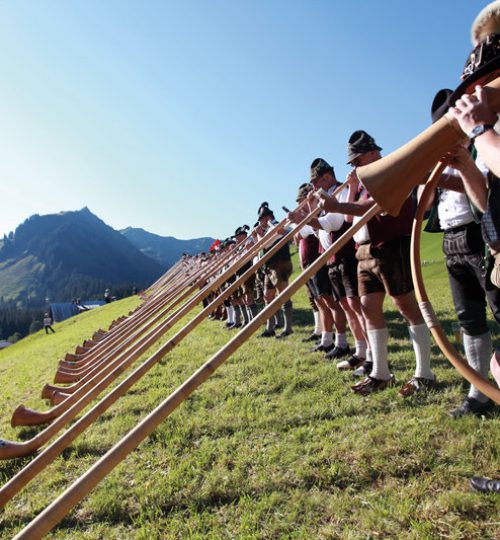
391	179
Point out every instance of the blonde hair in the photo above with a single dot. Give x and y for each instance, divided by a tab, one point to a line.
487	22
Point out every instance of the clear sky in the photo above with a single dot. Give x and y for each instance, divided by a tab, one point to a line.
182	116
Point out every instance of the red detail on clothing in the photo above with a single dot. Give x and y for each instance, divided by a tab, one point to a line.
309	250
345	252
383	229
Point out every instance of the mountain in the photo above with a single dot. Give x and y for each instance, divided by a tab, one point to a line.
164	249
68	255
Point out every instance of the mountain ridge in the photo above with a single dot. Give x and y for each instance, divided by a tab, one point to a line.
74	253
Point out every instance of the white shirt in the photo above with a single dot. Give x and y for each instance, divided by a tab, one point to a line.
306	231
454	208
332	221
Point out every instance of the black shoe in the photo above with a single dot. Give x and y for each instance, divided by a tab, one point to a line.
364	369
351	363
312	337
485	485
338	352
284	334
471	406
229	325
268	333
322	348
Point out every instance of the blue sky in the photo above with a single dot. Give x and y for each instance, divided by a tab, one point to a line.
181	117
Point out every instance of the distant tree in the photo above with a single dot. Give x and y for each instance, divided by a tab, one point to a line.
14	338
35	326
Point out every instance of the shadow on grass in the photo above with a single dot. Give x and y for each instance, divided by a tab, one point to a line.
303	317
28	432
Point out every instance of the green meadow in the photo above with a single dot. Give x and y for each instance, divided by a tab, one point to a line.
274	445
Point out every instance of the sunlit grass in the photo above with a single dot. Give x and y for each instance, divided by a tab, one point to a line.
273	445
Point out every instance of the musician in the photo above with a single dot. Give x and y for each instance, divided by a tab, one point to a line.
278	270
341	268
331	313
308	244
245	292
464	251
384	268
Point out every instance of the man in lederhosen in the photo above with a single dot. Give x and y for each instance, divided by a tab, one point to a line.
384	268
278	270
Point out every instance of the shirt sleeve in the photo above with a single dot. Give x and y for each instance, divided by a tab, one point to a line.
334	221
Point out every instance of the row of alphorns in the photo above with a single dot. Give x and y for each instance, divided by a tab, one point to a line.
91	371
174	296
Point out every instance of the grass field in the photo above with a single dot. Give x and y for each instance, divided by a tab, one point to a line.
273	445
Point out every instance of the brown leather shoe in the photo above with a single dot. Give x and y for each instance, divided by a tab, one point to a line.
417	385
370	385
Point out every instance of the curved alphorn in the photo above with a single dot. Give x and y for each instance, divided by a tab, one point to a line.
15	484
94	386
25	416
475	378
47	519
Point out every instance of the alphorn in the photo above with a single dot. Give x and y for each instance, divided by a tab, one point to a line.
390	179
68	408
16	483
25	416
475	378
56	511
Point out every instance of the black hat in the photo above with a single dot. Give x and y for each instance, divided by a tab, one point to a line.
241	230
440	104
482	65
360	143
303	191
319	167
264	210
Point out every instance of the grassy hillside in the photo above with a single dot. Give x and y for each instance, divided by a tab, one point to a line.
274	445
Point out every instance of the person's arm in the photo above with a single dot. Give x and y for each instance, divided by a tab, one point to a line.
352	191
331	204
471	111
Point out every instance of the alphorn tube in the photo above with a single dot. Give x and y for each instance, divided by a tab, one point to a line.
56	511
471	375
17	482
390	179
75	402
25	416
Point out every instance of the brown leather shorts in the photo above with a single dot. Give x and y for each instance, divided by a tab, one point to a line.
344	278
385	269
278	272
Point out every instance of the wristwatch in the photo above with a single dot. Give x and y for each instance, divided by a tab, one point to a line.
479	130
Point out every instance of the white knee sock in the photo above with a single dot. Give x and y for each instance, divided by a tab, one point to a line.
326	338
317	323
360	351
340	340
478	353
230	314
378	346
421	341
